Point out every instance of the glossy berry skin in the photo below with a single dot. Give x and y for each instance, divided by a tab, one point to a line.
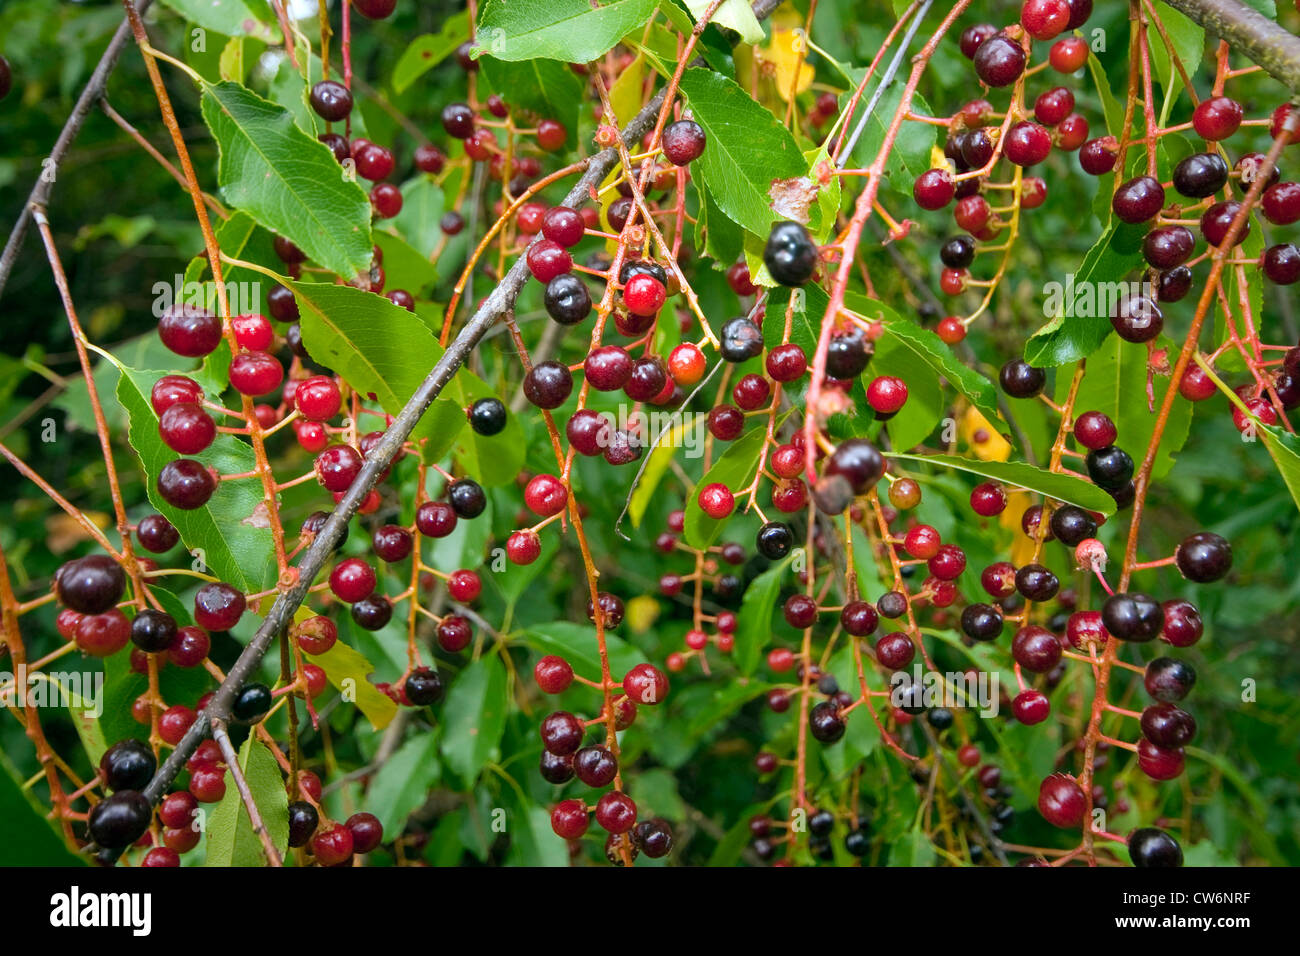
189	331
973	36
774	540
332	101
1044	19
156	534
988	499
128	765
1159	763
352	580
645	684
895	651
1217	221
464	586
251	703
458	120
1200	175
1168	246
1110	467
551	135
303	820
1132	617
569	819
1027	144
333	846
91	585
548	259
644	295
102	635
825	723
1280	263
337	467
958	252
1031	707
933	189
785	363
1095	430
317	398
686	364
1098	156
1019	379
186	484
1061	801
859	618
487	416
999	61
120	819
683	142
790	254
1168	726
256	373
1149	848
1137	318
1281	203
1203	557
1169	679
424	687
545	495
367	832
1138	199
1216	118
553	674
887	394
548	384
374	162
1036	649
385	200
740	340
981	622
561	733
563	225
1071	525
172	390
152	631
567	299
859	462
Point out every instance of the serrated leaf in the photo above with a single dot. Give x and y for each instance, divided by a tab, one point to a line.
229	835
235	543
735	469
474	717
379	348
30	839
570	30
931	350
428	50
1284	449
1116	383
403	782
625	94
754	622
748	149
576	643
1188	39
1064	488
349	670
910	155
287	180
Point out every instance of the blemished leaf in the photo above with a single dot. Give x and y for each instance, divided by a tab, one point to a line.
1116	384
754	622
747	149
287	180
380	348
348	670
1064	488
1082	303
404	781
229	833
474	717
30	839
227	534
429	49
576	643
570	30
735	469
230	17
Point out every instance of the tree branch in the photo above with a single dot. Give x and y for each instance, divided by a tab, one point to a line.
1250	33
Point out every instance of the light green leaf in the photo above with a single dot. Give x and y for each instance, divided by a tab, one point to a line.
925	405
229	17
930	350
1064	488
287	180
1284	449
30	839
657	467
403	783
474	717
348	670
229	835
570	30
754	622
748	149
736	14
428	50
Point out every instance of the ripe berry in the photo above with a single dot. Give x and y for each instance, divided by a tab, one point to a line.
333	846
1132	617
1098	156
90	585
1095	430
647	379
683	142
790	254
957	253
374	162
454	633
317	398
1061	801
1068	54
385	200
825	722
922	542
152	631
553	674
988	499
644	295
895	651
256	373
156	534
423	687
1217	220
999	61
1109	468
1168	726
186	484
1203	557
1280	264
1139	199
567	299
464	586
367	832
785	363
569	819
548	384
487	416
1044	19
1200	175
1149	847
1216	118
174	722
1168	246
352	579
933	189
551	135
458	120
1027	144
189	331
252	332
973	36
1071	525
1169	679
981	622
774	540
887	394
173	390
1021	380
847	355
561	733
1159	763
716	500
128	765
739	279
337	467
251	703
120	819
1031	707
429	158
859	618
1036	649
548	259
546	496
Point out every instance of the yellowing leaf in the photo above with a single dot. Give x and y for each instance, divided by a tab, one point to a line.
787	53
982	438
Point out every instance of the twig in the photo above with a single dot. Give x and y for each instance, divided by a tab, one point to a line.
254	815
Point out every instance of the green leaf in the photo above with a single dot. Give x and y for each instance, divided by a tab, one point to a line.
914	850
715	233
428	50
532	841
229	17
1112	109
754	622
30	839
910	155
735	14
576	643
1083	303
925	403
1064	488
1188	39
380	348
748	149
403	783
570	30
349	670
930	350
1284	449
230	530
287	180
735	469
404	267
84	710
474	717
229	836
546	87
1116	383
